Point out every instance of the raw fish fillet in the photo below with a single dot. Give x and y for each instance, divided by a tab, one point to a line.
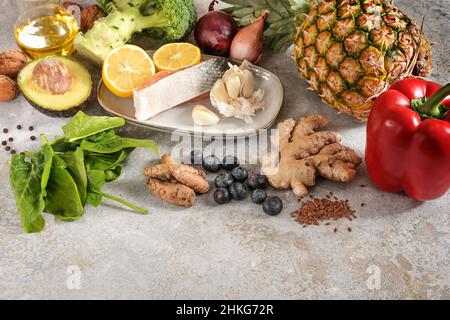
177	88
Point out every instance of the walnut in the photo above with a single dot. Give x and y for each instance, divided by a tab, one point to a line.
52	76
8	88
11	62
89	15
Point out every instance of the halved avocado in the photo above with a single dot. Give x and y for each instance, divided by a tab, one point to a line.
56	85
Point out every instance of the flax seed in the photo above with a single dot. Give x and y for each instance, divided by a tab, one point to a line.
312	212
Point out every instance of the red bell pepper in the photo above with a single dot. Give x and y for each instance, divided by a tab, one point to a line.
408	139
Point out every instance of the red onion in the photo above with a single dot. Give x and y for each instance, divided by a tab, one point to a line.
215	31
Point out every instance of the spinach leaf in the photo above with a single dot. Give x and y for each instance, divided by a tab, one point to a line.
97	180
110	163
62	145
103	162
76	168
82	126
113	174
109	142
28	181
63	199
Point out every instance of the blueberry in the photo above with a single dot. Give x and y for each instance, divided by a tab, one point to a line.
211	163
222	196
238	191
223	180
196	157
239	174
272	206
258	196
257	181
230	162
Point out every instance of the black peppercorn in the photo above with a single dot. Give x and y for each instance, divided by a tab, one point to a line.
19	126
33	138
7	148
5	130
31	128
13	151
11	139
4	143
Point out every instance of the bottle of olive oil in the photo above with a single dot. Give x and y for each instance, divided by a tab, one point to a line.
46	30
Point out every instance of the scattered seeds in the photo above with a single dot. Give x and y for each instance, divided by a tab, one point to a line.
31	128
5	130
335	230
313	211
11	139
7	148
349	229
13	151
33	138
4	143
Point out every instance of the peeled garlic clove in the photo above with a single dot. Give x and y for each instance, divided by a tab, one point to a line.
219	91
248	84
202	116
233	85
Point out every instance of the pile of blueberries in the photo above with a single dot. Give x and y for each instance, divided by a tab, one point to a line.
235	182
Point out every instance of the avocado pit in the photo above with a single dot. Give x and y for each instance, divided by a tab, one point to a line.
52	76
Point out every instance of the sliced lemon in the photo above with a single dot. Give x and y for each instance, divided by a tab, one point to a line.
176	56
127	68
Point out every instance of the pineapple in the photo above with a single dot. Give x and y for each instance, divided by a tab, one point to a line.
351	50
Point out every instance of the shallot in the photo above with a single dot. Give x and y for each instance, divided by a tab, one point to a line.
248	42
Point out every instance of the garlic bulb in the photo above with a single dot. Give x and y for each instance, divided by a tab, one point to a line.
235	96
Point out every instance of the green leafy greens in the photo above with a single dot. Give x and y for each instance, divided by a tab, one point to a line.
70	172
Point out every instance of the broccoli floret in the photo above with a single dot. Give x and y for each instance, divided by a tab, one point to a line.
175	32
169	20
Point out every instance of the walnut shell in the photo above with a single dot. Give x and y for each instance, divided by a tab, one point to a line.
89	15
8	88
11	62
52	76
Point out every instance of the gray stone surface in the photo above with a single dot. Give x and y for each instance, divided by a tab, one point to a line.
234	251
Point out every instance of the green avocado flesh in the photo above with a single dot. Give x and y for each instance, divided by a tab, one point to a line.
57	105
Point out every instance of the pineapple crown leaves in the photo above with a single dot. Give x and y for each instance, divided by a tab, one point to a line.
281	21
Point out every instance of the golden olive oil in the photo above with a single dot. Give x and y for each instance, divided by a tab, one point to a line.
47	35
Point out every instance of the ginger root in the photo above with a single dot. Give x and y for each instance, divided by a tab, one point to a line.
176	183
305	153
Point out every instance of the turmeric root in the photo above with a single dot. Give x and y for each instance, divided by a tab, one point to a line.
176	183
305	153
172	192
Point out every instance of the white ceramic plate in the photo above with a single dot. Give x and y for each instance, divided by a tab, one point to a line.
180	118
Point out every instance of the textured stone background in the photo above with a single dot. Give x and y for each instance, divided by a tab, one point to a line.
234	251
